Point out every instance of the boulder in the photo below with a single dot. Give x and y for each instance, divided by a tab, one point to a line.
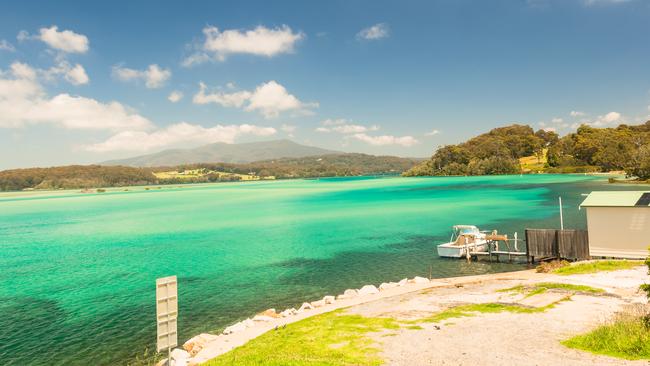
419	280
195	344
288	312
385	286
305	306
329	299
270	313
348	294
368	290
237	327
318	303
403	282
180	357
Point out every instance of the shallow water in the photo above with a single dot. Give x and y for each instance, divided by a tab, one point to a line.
78	270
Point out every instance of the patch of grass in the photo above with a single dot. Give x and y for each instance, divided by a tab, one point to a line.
414	327
626	337
540	288
597	266
568	287
470	310
333	338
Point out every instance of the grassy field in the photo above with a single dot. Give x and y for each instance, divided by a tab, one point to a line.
627	336
597	266
534	163
329	339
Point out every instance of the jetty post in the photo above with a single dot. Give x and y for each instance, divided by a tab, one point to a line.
561	217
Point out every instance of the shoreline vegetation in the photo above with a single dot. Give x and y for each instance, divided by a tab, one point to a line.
100	176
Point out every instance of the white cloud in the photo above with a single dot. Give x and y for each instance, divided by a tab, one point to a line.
6	46
550	129
24	102
154	77
64	41
260	41
432	132
344	126
270	99
577	114
386	140
377	31
179	133
557	120
608	119
235	99
77	75
175	96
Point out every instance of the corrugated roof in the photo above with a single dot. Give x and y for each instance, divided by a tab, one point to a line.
616	199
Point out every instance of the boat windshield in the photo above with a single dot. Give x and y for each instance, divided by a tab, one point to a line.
465	230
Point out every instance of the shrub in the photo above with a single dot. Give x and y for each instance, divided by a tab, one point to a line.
550	266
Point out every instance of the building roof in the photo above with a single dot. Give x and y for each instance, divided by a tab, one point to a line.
617	199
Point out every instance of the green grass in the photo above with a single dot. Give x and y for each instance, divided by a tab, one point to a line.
540	288
333	338
470	310
626	337
597	266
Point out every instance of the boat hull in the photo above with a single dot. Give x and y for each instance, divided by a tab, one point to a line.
450	250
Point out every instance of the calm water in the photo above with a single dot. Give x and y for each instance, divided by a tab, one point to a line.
78	271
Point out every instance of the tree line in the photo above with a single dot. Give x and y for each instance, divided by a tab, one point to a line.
588	149
93	176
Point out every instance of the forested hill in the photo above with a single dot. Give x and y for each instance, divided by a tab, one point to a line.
93	176
589	149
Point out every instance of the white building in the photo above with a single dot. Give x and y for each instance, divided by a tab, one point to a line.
618	223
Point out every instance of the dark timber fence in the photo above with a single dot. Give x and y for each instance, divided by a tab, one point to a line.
552	243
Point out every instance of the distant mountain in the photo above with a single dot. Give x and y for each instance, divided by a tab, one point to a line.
224	153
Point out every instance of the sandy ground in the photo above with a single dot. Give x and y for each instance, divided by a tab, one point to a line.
485	339
504	338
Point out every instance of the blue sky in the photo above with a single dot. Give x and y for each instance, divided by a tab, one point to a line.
84	82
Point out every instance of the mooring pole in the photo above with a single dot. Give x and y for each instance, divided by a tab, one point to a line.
561	217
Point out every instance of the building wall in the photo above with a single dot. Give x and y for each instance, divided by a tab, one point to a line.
622	232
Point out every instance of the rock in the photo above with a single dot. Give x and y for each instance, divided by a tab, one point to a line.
195	344
180	357
368	290
305	306
419	280
288	312
262	318
348	294
385	286
403	282
329	299
237	327
318	303
270	313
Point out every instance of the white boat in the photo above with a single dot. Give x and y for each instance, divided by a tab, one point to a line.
465	239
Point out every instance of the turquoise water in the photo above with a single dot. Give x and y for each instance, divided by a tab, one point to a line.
78	270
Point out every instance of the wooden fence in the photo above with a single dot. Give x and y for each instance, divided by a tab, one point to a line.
552	243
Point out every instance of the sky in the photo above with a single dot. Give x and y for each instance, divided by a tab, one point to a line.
85	82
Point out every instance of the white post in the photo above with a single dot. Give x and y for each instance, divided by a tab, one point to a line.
561	218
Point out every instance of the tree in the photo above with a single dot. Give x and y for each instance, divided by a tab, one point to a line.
640	164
